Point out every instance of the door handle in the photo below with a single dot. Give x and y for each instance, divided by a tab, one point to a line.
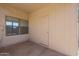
47	32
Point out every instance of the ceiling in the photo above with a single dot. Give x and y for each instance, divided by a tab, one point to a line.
27	7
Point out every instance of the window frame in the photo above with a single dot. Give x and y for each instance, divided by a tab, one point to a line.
18	26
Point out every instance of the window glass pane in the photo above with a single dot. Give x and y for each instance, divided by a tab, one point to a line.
15	24
23	23
15	29
12	26
23	27
8	28
23	30
9	23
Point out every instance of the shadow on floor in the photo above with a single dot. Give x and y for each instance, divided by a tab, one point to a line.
28	48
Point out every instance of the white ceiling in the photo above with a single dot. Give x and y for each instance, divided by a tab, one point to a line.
27	7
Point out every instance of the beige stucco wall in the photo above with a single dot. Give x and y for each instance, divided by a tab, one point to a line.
62	27
9	11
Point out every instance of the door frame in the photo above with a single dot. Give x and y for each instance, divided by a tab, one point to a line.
77	30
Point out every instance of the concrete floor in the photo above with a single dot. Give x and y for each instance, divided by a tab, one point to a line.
28	48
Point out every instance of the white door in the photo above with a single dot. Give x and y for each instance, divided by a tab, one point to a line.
39	29
43	30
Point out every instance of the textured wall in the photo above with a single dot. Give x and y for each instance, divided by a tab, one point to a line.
62	27
8	11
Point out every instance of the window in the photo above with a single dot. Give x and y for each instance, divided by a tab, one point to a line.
14	26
